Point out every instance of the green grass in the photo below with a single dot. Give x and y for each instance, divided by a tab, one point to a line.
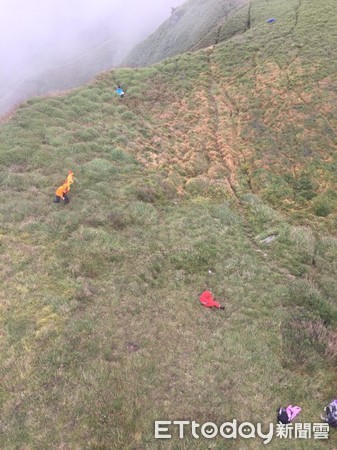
139	284
194	25
178	188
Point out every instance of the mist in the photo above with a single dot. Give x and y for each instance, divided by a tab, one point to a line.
52	45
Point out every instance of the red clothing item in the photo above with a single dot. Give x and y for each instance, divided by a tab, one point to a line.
206	299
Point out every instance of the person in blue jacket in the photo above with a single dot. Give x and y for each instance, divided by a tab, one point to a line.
119	91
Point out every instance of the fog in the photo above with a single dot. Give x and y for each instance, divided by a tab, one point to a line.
52	45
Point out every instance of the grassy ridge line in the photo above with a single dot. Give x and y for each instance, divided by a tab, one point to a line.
190	27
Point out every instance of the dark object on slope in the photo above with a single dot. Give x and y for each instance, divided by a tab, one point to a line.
271	20
286	415
331	413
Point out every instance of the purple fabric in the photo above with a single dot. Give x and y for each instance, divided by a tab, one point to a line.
293	411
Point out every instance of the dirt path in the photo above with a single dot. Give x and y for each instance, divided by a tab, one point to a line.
223	147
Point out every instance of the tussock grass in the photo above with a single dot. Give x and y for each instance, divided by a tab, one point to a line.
101	327
192	26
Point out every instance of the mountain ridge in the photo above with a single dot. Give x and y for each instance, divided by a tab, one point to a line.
191	26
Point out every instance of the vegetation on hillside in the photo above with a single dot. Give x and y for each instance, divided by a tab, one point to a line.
215	171
192	26
272	112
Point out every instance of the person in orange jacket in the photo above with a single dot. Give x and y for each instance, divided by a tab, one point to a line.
61	193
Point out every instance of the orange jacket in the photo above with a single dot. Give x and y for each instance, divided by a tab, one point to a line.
62	190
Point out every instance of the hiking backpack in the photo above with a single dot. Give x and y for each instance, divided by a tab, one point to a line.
282	416
331	413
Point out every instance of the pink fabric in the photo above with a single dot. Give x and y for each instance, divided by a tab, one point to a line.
293	411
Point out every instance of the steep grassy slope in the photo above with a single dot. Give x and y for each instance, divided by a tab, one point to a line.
179	186
272	111
191	26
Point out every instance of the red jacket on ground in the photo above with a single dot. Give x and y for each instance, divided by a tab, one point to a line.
206	299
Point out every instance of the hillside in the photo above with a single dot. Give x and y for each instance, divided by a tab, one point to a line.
216	171
192	26
272	110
